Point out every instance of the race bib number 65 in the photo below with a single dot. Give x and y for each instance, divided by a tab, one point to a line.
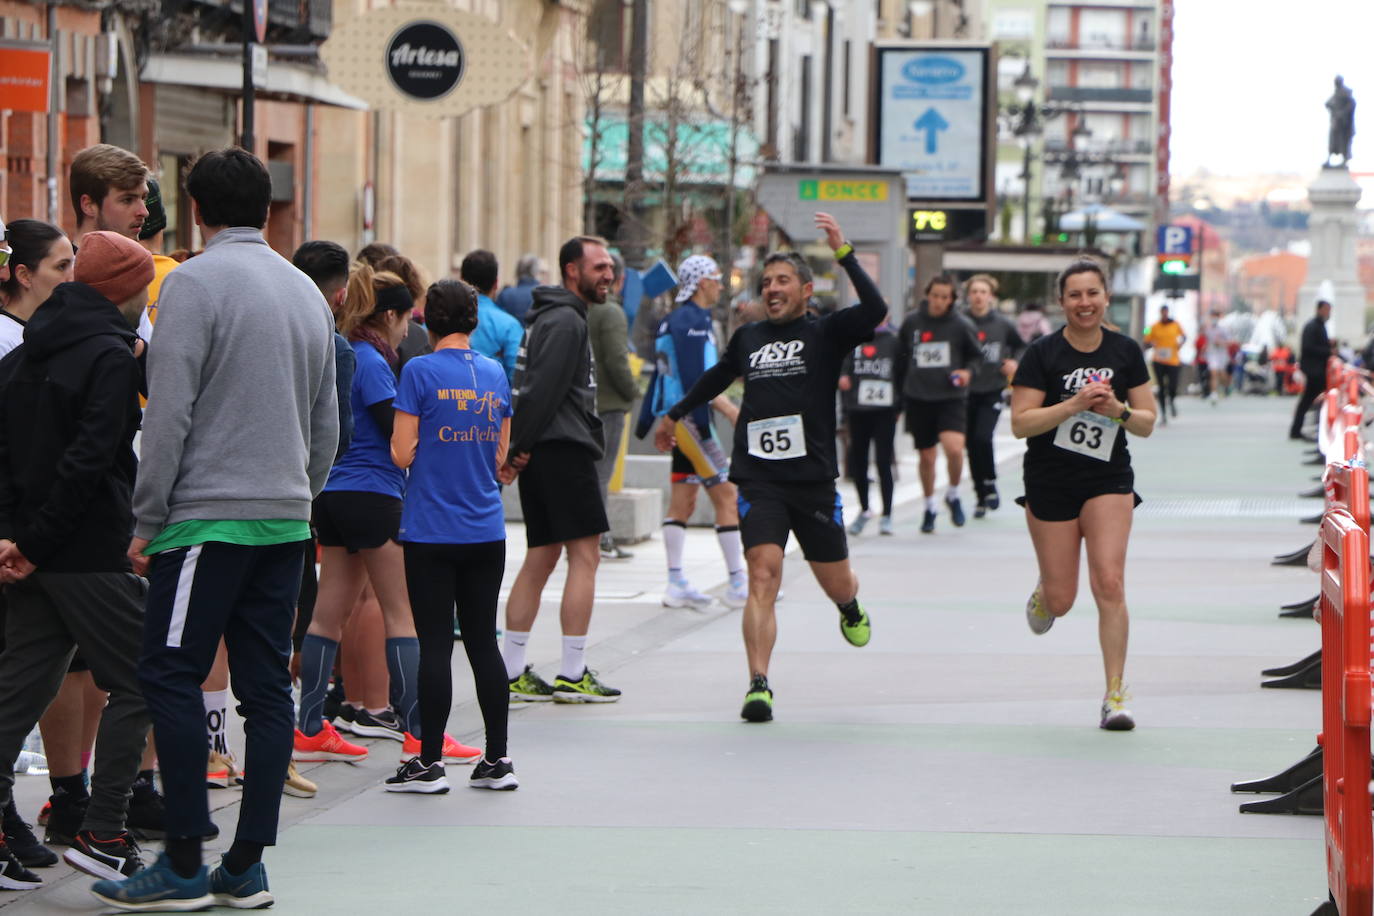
777	438
1088	433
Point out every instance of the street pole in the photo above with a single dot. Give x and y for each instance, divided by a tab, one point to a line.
54	100
633	233
247	140
1026	193
727	248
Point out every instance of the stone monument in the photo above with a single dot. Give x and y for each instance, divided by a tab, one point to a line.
1332	228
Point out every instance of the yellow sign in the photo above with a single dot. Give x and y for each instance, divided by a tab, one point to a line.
848	191
929	220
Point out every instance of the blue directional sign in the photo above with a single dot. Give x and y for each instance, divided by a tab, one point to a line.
1174	241
932	119
932	124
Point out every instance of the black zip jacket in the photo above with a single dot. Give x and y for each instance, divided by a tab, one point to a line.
1316	349
999	340
68	414
554	389
929	349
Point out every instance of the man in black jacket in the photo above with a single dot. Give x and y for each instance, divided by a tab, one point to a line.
1316	349
68	413
556	438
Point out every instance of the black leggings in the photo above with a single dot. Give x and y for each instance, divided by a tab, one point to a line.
438	576
984	409
1168	384
880	428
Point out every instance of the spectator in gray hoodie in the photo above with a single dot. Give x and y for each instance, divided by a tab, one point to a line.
241	428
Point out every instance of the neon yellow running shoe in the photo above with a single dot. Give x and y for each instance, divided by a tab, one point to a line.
1037	618
758	702
1115	716
856	630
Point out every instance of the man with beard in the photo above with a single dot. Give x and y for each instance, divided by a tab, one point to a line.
556	438
109	188
784	452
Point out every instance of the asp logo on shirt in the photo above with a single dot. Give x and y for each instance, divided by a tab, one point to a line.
777	355
1082	376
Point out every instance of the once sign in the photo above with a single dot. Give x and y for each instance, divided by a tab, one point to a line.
425	60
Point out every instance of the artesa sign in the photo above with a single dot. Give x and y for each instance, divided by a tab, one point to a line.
423	57
425	60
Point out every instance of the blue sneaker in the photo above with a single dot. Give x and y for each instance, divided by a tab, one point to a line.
247	891
157	888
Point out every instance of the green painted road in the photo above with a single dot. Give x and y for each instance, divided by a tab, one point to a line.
953	766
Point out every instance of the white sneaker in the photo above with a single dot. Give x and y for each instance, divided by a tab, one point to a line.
1115	716
684	596
856	527
735	596
1037	618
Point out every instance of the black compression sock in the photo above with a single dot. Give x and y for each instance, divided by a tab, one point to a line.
184	855
74	786
242	856
850	610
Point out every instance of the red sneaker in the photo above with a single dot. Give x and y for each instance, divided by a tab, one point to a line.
326	744
453	751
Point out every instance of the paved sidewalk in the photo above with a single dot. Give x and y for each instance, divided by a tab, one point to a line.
953	766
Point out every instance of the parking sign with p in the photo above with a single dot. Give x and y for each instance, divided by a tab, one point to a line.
1174	243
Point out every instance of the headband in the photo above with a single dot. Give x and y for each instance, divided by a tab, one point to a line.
394	299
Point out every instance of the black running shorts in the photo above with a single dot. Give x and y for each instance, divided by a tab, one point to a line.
811	509
1055	504
560	495
355	519
925	420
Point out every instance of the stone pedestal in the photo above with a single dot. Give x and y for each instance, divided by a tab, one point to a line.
1331	269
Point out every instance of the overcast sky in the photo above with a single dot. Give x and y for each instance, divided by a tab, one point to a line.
1251	78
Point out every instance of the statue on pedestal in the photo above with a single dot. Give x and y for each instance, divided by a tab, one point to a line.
1341	105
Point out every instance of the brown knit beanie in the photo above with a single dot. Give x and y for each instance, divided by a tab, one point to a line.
117	266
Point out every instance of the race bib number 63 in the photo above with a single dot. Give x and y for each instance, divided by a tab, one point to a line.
1088	433
777	438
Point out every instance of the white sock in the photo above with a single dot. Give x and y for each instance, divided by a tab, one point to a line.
931	504
216	716
951	492
514	653
674	541
730	548
574	657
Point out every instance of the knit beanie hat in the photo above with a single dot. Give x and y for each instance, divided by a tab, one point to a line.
116	266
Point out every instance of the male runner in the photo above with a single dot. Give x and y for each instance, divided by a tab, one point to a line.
784	453
1164	339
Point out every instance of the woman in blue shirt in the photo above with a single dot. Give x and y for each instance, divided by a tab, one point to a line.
357	518
452	430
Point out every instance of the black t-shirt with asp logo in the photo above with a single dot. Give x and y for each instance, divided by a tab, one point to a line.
786	426
1086	448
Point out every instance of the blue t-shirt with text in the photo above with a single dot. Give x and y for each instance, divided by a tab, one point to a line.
461	398
367	464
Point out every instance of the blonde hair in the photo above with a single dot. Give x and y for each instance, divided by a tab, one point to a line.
359	298
988	279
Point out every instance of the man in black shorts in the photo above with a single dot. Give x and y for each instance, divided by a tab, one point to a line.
784	453
937	353
556	439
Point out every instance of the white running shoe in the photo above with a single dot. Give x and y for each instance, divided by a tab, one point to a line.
1115	716
684	596
856	527
1037	618
735	596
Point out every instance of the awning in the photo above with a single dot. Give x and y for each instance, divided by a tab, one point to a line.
226	74
701	150
1103	218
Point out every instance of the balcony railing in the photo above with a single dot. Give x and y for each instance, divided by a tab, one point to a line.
1064	43
1091	94
303	21
1116	147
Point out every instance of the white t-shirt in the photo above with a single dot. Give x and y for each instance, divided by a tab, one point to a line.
11	332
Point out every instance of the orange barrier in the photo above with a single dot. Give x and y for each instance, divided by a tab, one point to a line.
1346	687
